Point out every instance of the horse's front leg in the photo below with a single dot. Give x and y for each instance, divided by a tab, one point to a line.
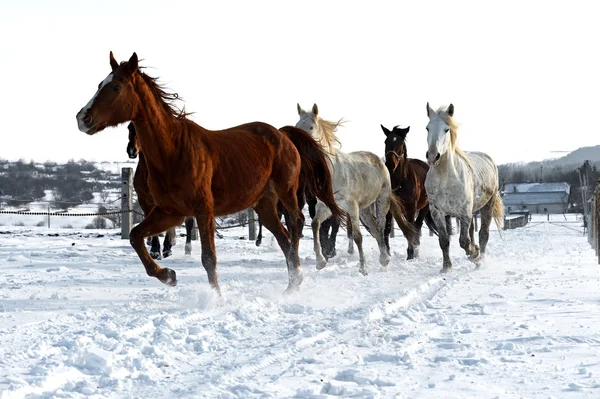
156	222
444	237
471	250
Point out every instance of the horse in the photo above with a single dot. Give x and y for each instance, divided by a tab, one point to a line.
140	184
361	184
458	184
408	184
193	171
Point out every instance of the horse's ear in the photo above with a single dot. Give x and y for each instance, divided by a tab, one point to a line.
402	131
300	110
113	63
451	110
133	63
385	130
430	110
315	109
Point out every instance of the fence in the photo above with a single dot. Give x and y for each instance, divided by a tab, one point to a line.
515	222
592	221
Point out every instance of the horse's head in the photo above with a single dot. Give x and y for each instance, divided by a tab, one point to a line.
395	146
308	121
320	129
439	139
115	100
132	146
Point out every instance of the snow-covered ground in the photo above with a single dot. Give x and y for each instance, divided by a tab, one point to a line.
79	318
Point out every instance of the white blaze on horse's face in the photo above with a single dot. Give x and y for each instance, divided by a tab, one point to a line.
308	124
438	139
84	123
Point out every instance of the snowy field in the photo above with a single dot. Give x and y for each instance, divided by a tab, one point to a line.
79	318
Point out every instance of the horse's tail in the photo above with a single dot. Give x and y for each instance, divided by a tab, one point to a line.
398	212
315	173
498	211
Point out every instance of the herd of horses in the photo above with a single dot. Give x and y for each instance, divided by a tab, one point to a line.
186	171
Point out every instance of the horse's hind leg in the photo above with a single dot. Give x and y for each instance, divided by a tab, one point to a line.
354	215
168	242
189	226
484	231
289	240
350	237
470	248
321	214
155	247
376	227
324	237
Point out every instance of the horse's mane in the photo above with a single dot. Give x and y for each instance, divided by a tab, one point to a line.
442	112
165	98
329	128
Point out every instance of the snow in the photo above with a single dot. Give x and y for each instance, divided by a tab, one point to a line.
80	318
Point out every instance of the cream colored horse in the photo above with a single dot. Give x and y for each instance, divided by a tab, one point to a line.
459	184
361	186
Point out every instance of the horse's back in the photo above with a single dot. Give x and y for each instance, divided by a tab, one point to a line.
485	178
361	175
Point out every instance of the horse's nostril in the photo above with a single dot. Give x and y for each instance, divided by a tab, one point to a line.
437	158
87	120
427	155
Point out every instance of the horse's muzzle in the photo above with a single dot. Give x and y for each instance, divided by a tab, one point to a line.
432	157
84	121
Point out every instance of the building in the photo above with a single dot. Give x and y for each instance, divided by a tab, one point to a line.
536	197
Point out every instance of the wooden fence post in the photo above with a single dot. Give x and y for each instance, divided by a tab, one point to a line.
251	225
597	219
126	202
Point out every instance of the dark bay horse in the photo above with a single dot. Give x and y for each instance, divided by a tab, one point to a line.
196	172
408	183
140	184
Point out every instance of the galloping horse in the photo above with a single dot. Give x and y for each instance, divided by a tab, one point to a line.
361	184
140	184
408	184
459	184
196	172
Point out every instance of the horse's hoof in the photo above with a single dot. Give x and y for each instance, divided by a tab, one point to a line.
384	260
168	253
188	249
350	251
155	255
321	264
446	269
363	271
168	277
258	242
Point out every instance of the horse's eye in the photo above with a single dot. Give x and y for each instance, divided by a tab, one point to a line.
116	87
447	130
310	128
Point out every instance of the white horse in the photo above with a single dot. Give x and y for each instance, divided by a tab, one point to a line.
459	184
361	185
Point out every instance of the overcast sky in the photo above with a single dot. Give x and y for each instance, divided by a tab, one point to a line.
523	75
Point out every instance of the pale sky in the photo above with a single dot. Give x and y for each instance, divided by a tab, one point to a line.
523	75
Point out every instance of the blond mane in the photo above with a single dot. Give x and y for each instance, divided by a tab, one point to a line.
442	112
328	129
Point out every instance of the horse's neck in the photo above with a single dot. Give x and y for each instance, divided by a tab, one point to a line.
448	167
156	130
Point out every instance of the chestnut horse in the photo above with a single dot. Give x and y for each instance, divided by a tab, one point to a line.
196	172
140	184
408	184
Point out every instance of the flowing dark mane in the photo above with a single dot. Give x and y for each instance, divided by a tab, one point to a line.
168	99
